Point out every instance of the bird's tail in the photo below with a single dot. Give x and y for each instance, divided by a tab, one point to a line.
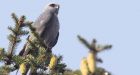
23	49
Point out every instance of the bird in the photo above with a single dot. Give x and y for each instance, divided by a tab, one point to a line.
47	28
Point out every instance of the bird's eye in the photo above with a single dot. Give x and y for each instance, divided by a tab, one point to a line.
52	5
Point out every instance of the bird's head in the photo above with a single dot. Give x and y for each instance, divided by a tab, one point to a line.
53	8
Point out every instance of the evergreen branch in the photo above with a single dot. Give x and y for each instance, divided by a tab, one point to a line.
18	59
101	71
85	42
23	32
15	37
2	51
11	38
15	18
4	70
32	47
12	30
102	47
2	54
60	58
35	34
107	46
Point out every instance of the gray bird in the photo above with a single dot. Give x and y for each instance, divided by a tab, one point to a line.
47	27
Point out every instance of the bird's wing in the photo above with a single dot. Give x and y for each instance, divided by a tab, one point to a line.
41	23
23	50
55	41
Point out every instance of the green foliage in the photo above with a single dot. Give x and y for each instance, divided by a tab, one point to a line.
17	32
72	72
2	53
4	70
60	67
95	49
38	59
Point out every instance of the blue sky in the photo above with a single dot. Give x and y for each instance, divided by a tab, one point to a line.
116	22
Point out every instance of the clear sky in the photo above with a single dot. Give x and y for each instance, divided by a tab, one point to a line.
116	22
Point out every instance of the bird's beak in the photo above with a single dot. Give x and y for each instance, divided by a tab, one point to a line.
58	6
